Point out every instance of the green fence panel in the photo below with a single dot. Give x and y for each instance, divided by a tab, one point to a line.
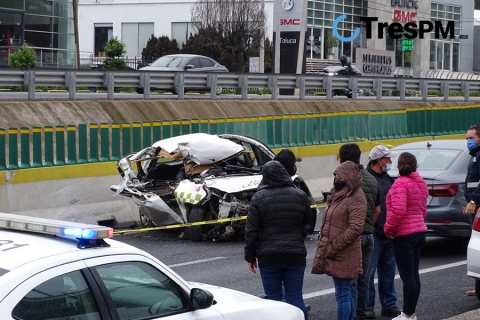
361	125
3	150
203	125
37	147
372	120
71	144
93	143
402	130
213	126
104	142
351	129
126	139
301	129
24	147
60	145
185	126
176	129
309	127
436	125
263	128
286	130
324	134
458	119
412	122
156	131
247	126
392	117
270	134
166	129
230	125
147	134
428	122
342	126
82	143
195	125
136	136
48	140
450	120
221	126
238	126
316	128
294	130
116	141
277	130
12	148
422	117
255	128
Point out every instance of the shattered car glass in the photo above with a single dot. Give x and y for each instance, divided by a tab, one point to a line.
196	177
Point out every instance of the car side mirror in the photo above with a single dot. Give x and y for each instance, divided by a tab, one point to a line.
200	299
189	66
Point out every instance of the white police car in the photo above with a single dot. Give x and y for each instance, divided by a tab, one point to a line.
473	255
52	269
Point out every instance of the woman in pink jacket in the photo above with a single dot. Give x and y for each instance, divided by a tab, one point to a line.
406	211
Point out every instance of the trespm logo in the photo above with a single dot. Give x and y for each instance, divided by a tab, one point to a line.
411	30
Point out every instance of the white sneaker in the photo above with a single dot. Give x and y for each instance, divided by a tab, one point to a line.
403	316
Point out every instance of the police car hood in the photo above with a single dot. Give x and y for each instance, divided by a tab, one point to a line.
229	302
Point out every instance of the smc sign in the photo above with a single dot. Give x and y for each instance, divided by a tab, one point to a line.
289	22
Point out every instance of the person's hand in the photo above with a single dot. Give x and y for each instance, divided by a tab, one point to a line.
252	266
470	209
389	236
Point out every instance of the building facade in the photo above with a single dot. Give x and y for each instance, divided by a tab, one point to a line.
48	26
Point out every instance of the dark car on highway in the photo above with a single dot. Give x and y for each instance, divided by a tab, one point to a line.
184	62
443	165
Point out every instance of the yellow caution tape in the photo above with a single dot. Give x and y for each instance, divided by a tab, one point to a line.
201	223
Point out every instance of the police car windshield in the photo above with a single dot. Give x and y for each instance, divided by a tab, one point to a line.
3	271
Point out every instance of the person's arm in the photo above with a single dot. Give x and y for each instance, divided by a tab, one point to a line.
307	218
396	207
252	231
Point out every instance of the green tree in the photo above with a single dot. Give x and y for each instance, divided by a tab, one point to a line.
254	51
114	50
158	47
23	58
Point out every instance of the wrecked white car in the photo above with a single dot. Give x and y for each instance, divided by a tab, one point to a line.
197	177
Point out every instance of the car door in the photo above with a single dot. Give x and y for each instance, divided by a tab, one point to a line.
139	288
58	293
196	63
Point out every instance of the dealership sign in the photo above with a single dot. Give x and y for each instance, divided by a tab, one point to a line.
375	62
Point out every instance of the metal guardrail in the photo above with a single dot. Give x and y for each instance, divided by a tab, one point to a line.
180	81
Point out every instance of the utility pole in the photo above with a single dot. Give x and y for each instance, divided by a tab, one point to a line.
262	41
276	23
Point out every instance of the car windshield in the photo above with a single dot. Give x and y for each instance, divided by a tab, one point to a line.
433	159
169	61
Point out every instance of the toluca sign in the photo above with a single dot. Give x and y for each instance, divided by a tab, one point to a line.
375	62
287	41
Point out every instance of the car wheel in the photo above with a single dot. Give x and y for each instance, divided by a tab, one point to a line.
477	288
197	214
139	90
145	221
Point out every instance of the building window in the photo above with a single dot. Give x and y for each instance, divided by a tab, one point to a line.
135	37
103	33
181	31
444	52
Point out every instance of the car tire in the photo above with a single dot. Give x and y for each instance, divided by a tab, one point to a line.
477	288
139	90
145	221
197	214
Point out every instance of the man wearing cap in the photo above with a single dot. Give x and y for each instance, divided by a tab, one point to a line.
382	258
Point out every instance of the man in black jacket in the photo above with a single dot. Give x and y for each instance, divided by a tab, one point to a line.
472	188
277	221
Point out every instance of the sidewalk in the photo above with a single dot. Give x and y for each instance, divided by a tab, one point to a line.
471	315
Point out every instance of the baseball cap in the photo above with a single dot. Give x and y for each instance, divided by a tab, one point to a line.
381	151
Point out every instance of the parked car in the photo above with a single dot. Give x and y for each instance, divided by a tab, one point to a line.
185	62
347	71
52	269
197	177
473	255
443	165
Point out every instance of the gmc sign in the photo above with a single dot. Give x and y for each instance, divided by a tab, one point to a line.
289	22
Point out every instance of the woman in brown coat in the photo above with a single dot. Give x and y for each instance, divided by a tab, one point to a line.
339	246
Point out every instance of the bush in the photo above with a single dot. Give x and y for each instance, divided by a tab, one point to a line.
114	50
23	58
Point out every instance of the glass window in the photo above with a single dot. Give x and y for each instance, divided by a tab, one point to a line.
10	29
39	7
103	33
181	31
39	39
135	36
38	23
318	5
455	57
62	25
439	55
9	4
64	297
63	9
139	290
195	62
432	54
170	61
446	56
206	63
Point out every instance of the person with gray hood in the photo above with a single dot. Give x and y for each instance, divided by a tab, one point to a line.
277	221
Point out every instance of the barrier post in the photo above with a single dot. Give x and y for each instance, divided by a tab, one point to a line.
115	141
126	139
36	147
60	145
82	143
25	147
93	142
136	136
104	142
48	140
71	144
3	155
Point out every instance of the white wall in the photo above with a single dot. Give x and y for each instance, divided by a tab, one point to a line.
161	12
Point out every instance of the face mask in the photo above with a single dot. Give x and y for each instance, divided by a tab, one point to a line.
338	184
471	144
387	168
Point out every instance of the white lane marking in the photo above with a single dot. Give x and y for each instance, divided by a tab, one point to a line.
196	261
432	269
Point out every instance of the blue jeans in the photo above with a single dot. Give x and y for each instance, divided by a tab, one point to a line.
407	254
383	260
343	295
360	285
292	279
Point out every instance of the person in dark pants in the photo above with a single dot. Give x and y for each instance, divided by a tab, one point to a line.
472	188
405	224
277	221
351	152
382	259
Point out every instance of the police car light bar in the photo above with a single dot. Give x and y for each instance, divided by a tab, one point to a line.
57	228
